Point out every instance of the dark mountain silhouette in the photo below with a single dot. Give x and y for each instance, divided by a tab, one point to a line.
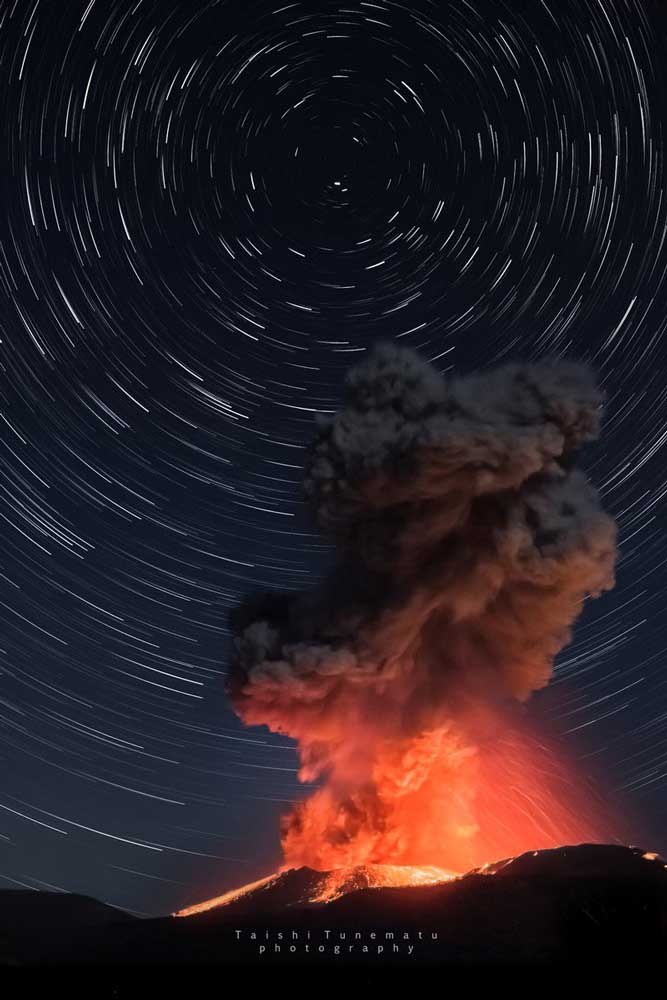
590	903
37	927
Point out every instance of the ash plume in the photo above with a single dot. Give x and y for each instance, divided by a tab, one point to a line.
466	542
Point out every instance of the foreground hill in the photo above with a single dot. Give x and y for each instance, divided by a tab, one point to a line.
591	903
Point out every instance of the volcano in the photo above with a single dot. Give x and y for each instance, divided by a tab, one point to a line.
303	886
590	903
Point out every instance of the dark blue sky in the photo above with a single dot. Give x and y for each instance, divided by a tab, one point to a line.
211	211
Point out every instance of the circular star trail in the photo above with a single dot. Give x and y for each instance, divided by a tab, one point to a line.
210	211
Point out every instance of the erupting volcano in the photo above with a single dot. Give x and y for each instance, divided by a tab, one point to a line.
466	543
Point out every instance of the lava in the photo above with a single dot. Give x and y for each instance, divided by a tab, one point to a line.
228	897
343	880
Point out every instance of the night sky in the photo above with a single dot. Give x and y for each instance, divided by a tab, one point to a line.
210	211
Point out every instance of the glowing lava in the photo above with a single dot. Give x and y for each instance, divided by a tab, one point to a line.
229	897
343	880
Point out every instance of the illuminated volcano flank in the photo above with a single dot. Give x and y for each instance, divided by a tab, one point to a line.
324	887
300	890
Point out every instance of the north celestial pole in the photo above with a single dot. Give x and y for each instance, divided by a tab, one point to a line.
209	214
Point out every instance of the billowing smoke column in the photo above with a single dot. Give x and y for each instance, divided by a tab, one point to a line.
466	542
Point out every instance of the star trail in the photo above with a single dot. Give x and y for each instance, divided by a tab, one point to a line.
210	211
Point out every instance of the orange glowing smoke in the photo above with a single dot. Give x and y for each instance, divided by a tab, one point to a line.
415	808
436	800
